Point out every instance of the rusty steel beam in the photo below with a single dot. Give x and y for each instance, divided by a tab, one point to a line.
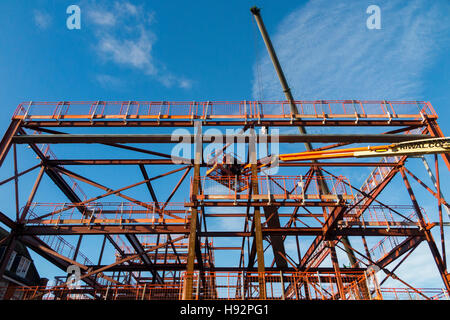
399	250
226	204
121	162
330	224
31	196
149	184
362	122
337	271
130	148
20	174
193	251
277	244
440	202
62	262
333	219
176	187
162	138
182	266
182	229
141	254
5	143
7	221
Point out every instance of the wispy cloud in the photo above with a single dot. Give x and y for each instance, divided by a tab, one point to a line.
102	18
42	19
327	52
124	36
132	52
108	81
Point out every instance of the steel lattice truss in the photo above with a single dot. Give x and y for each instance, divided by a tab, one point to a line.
166	239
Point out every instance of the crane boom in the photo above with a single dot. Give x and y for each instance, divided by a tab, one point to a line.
408	148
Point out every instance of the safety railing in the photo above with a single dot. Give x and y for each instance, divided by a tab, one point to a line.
172	291
62	246
274	187
378	174
204	110
279	286
48	153
375	177
179	255
382	248
167	291
384	216
107	213
417	294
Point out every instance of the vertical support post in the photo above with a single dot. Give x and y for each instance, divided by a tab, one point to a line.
101	255
197	288
433	179
320	285
242	286
376	284
107	291
367	285
337	271
143	292
16	183
257	214
283	294
77	248
441	222
188	284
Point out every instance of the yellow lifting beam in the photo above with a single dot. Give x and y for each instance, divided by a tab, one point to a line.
408	148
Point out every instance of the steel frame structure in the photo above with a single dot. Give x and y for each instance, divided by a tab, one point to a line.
167	246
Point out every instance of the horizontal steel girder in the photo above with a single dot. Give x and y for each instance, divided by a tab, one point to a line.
33	124
101	162
179	229
167	138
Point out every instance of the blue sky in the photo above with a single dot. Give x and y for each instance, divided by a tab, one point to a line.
203	50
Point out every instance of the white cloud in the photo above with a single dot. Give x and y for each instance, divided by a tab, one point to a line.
327	52
106	80
42	19
102	18
185	84
126	7
124	37
135	53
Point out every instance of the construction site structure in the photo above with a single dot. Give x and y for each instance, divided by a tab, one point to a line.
228	227
165	250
